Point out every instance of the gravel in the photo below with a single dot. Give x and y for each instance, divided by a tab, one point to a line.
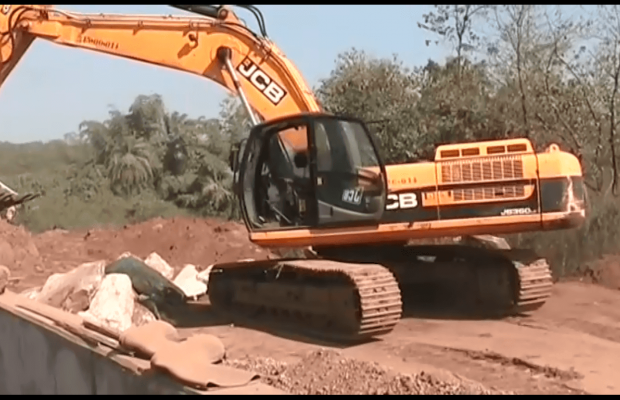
328	372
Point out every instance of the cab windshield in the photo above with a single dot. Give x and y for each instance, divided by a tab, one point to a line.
343	146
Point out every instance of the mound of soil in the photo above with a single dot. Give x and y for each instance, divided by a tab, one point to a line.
19	253
604	272
327	372
179	241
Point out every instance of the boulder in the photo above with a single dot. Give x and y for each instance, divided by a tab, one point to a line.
203	276
68	291
113	303
141	315
188	282
155	291
160	265
126	255
31	293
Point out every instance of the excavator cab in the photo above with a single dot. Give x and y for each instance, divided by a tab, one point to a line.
308	171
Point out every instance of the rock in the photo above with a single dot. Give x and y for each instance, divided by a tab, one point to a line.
485	241
5	274
10	213
329	372
87	316
62	290
7	255
203	276
126	255
31	293
113	303
188	281
154	290
77	301
160	265
54	280
142	315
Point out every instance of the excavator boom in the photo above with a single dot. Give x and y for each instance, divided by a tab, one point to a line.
199	45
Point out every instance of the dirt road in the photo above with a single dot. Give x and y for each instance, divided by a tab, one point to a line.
567	347
571	345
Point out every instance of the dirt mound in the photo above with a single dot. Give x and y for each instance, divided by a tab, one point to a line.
179	241
604	272
327	372
19	253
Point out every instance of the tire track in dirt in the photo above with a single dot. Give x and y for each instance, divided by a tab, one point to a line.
494	370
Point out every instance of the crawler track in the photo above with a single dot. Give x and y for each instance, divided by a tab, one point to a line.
498	282
482	281
534	286
325	299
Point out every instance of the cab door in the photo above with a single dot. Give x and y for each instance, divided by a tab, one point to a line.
349	176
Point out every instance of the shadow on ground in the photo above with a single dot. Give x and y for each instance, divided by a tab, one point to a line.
424	303
200	314
444	302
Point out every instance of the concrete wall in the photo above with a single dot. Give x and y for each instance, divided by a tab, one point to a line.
42	358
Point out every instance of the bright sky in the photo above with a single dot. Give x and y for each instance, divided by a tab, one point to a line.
55	88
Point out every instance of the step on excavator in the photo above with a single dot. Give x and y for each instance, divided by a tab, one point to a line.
307	179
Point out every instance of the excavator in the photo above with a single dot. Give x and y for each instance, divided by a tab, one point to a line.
307	179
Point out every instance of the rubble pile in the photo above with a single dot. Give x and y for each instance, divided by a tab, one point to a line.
328	372
118	300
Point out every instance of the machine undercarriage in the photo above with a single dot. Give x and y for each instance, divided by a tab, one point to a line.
355	293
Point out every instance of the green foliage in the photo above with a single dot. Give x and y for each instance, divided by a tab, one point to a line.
543	75
381	90
147	162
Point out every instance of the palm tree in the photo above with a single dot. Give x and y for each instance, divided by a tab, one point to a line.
129	166
96	134
147	117
185	159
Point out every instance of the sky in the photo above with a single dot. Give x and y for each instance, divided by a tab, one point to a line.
54	88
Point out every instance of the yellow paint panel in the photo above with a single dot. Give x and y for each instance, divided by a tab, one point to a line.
556	163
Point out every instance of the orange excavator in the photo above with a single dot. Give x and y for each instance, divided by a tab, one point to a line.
308	179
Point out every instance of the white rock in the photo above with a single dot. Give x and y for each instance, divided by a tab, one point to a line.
113	303
31	293
188	282
160	265
126	254
141	315
203	276
87	316
53	280
59	287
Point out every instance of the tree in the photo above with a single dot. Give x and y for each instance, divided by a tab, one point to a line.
447	115
455	23
376	90
607	64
